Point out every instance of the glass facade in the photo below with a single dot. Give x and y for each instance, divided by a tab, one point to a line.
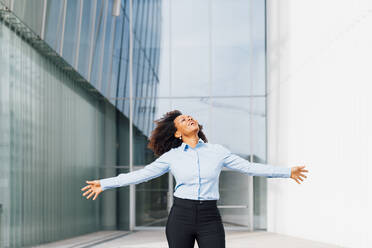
212	57
52	135
65	106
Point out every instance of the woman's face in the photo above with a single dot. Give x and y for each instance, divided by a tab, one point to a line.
185	125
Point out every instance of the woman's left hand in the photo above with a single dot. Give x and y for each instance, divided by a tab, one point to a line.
296	173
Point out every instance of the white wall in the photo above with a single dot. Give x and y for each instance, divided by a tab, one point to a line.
319	77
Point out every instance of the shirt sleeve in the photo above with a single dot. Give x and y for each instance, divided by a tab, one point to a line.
157	168
237	163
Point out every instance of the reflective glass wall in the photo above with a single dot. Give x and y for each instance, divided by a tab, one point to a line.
212	66
205	58
94	42
53	137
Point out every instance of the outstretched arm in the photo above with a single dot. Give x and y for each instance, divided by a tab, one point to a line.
157	168
237	163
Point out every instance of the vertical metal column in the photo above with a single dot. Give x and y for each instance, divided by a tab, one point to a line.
11	5
250	178
210	67
1	232
132	204
63	27
170	176
42	32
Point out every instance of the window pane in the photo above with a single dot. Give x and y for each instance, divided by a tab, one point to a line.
71	27
30	12
85	37
53	25
238	47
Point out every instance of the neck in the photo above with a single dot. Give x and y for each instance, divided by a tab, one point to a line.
191	140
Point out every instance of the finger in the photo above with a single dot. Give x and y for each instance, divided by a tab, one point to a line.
301	178
95	196
88	191
89	196
303	175
86	187
91	182
304	171
297	181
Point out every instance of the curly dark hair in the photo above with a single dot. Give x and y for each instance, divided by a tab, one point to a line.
162	137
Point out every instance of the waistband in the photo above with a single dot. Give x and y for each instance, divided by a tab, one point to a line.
188	202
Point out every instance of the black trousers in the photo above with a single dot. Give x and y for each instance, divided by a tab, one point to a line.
191	220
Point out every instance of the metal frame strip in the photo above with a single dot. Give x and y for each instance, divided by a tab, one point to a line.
91	45
132	203
11	5
63	28
170	183
42	32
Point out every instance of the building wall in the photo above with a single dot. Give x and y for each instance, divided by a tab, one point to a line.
54	136
319	115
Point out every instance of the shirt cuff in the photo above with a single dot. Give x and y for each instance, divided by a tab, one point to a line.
108	183
281	171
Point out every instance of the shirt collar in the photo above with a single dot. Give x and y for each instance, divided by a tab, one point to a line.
184	146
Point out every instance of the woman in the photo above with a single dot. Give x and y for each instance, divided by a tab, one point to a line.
182	148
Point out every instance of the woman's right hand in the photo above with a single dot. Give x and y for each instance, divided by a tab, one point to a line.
94	187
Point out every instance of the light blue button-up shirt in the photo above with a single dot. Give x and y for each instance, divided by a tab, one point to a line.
196	170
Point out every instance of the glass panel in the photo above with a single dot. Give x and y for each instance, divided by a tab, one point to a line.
53	23
115	206
99	34
122	129
233	117
30	12
5	141
71	27
238	47
108	50
122	217
234	188
114	202
89	8
190	47
161	28
119	60
257	25
151	202
243	120
260	202
142	155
